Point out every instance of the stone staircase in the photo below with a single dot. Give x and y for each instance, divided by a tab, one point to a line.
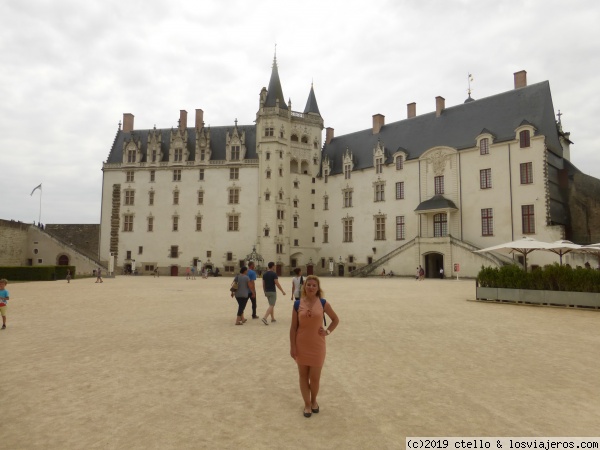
369	268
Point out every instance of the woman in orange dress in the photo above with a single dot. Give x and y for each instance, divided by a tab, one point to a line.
307	340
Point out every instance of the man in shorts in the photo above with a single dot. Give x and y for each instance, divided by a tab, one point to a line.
270	284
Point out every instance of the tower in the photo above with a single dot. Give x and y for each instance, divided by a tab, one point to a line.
288	144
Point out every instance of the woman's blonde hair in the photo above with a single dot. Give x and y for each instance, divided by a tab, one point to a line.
320	291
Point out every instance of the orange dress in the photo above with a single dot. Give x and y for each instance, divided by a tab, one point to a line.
310	346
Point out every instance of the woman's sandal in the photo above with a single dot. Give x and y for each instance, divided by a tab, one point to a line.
239	323
315	410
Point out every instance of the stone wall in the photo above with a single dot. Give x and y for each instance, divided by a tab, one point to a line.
84	237
13	242
584	208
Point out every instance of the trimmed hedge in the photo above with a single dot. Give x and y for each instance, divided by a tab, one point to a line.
36	273
549	278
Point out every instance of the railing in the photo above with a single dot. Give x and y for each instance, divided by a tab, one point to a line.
366	270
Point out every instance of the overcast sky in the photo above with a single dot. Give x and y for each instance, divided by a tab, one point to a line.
71	68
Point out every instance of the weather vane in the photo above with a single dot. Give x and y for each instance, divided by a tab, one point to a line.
469	79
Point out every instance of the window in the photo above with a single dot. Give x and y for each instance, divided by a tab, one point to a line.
131	156
267	196
201	175
203	154
235	152
268	173
347	171
150	223
347	198
280	214
379	192
280	229
325	234
526	173
198	223
439	185
296	243
524	139
528	215
378	165
294	138
174	251
268	156
304	139
200	197
380	228
280	172
208	253
280	154
233	223
129	197
229	256
176	197
152	175
154	155
175	223
485	178
128	254
322	263
295	203
484	146
234	173
234	195
326	202
269	131
140	250
177	175
487	222
399	190
296	185
400	228
440	225
280	195
151	198
326	175
279	249
128	222
400	163
129	176
178	155
295	221
347	230
266	230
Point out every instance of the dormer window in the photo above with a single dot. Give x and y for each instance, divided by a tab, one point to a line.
484	146
131	156
235	152
524	139
178	155
399	162
347	171
378	165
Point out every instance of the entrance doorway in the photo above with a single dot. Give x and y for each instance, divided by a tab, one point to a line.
433	263
63	260
278	269
340	270
174	271
309	269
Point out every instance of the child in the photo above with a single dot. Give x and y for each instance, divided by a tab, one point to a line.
3	301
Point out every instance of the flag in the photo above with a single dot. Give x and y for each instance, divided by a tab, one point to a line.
36	188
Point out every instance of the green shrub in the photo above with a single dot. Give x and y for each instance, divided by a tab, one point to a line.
36	273
550	278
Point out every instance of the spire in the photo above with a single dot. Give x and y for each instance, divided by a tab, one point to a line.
311	103
275	92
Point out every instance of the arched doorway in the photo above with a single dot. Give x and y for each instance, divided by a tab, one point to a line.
433	263
340	270
63	260
174	271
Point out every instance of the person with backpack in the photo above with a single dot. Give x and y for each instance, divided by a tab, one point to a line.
307	339
297	283
241	293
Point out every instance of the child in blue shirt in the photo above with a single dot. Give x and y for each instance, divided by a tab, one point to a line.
3	301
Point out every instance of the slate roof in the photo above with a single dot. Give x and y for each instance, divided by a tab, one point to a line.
311	103
457	127
217	142
436	202
274	91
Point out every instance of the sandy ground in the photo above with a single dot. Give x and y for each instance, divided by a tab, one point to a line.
144	363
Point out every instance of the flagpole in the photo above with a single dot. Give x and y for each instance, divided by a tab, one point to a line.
40	216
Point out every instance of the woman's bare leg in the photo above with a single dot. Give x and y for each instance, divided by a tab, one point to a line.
303	375
314	379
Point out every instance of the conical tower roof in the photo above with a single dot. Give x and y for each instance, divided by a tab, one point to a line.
311	103
275	92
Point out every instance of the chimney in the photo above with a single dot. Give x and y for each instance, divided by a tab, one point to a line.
378	122
328	134
411	110
520	79
440	104
182	119
128	122
199	119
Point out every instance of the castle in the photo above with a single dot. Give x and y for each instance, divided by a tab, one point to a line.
426	190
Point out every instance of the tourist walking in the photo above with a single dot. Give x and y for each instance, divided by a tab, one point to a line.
307	339
68	275
252	288
241	294
4	298
297	283
99	275
270	286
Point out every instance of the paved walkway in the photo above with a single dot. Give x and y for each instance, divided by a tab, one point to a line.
145	363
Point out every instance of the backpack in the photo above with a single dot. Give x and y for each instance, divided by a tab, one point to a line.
323	301
234	284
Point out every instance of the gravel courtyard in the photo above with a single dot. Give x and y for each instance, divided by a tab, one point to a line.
145	363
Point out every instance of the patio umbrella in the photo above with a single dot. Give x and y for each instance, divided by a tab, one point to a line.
524	246
562	247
